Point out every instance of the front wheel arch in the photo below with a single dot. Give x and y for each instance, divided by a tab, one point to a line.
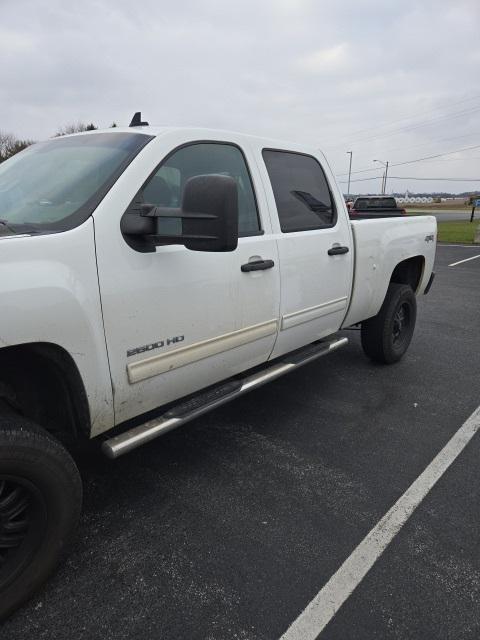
41	382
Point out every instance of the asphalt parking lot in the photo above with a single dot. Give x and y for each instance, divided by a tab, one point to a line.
228	527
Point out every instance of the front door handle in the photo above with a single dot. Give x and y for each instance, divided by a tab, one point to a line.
257	265
337	251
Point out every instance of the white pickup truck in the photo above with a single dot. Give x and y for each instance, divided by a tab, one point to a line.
161	269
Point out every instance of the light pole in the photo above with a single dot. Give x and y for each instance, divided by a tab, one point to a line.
384	178
349	171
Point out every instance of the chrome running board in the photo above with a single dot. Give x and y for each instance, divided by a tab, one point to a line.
211	399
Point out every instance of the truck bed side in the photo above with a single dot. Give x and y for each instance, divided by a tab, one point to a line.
380	245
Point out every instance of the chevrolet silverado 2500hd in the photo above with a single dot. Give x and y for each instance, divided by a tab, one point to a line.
172	270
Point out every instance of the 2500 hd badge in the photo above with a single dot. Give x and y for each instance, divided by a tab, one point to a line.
155	345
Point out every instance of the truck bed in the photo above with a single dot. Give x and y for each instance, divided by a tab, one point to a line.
379	246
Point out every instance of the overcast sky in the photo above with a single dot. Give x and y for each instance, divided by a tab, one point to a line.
393	80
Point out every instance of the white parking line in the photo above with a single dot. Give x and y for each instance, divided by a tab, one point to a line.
454	264
341	585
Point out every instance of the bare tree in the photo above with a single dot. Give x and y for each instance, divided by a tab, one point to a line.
75	127
10	145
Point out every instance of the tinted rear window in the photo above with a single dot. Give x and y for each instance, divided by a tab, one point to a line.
375	203
301	191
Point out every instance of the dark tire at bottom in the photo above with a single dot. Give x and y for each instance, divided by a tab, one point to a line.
387	336
40	503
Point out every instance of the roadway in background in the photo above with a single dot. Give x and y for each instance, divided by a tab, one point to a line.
447	216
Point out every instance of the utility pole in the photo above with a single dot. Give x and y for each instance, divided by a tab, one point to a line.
349	171
384	177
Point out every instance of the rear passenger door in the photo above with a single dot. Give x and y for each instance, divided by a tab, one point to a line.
314	245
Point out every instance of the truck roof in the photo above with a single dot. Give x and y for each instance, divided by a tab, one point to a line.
203	132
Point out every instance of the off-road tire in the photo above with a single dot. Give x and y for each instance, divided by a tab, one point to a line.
386	337
40	502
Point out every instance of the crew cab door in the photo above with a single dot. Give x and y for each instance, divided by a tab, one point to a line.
314	243
178	320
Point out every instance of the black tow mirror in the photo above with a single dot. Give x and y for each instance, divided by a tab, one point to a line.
209	217
210	213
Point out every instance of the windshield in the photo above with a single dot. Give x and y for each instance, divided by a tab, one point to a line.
56	185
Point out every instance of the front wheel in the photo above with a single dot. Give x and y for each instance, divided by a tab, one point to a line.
40	500
386	337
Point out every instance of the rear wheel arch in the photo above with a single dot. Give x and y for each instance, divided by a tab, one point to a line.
41	382
409	271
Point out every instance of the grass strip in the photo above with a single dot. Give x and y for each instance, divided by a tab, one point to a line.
462	231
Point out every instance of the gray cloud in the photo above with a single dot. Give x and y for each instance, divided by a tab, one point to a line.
295	69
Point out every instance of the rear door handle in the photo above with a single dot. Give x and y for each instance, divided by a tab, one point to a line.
257	265
336	251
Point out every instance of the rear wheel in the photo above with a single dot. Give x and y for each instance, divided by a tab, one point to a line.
386	337
40	501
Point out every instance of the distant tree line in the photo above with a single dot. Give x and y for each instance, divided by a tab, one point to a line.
77	127
10	144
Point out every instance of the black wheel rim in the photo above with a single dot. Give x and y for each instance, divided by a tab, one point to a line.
401	325
22	525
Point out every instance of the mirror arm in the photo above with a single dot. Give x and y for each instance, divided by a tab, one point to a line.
167	237
152	211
